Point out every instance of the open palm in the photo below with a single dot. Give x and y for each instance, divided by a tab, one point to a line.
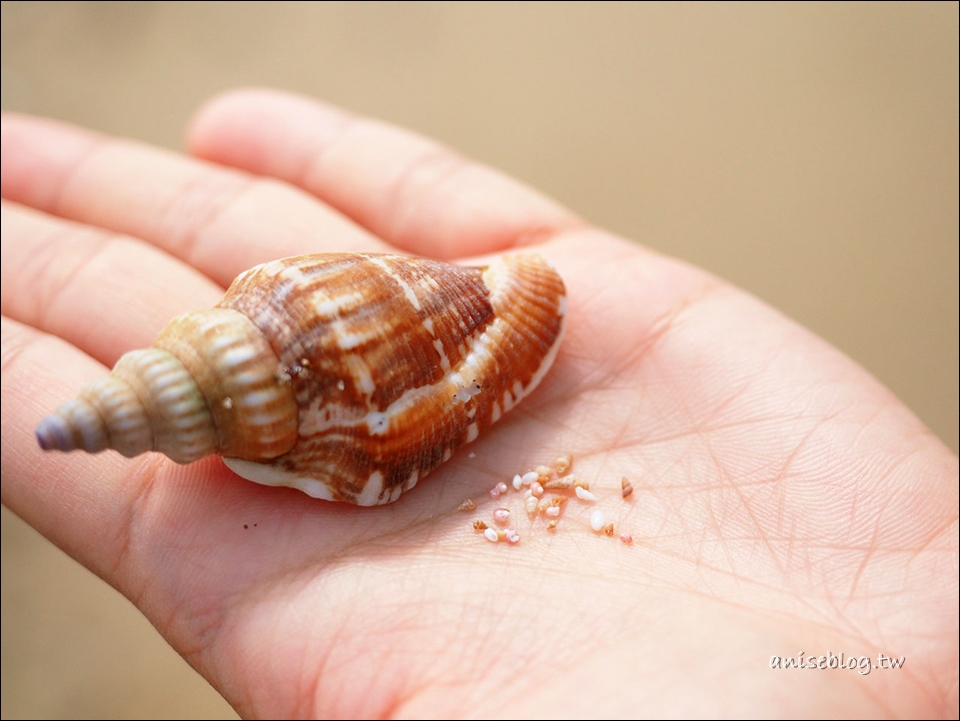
784	501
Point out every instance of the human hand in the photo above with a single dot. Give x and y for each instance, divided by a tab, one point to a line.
784	501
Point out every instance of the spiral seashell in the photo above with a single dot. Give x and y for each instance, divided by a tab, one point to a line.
347	376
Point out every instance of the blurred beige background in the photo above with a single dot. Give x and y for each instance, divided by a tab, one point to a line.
808	153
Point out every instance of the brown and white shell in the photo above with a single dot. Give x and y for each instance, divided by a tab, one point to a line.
348	376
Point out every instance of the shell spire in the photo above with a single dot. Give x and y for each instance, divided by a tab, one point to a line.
348	376
209	385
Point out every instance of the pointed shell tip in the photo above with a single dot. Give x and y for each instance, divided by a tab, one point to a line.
47	434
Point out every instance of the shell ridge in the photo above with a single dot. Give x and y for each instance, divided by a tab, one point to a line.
464	425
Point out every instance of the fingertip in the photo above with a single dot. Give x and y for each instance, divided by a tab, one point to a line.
217	122
254	128
215	115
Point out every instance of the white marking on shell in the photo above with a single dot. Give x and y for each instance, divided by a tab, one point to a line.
292	274
407	290
123	412
371	491
329	307
444	361
465	391
322	415
412	479
233	356
349	341
254	399
86	419
472	432
361	373
378	423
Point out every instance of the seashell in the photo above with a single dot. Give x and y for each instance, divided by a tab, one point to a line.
347	376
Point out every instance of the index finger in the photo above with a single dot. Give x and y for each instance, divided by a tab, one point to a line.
219	220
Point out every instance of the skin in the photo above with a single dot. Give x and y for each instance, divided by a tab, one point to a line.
784	500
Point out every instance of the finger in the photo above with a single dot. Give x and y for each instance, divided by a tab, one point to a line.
59	492
220	220
103	292
125	519
410	191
